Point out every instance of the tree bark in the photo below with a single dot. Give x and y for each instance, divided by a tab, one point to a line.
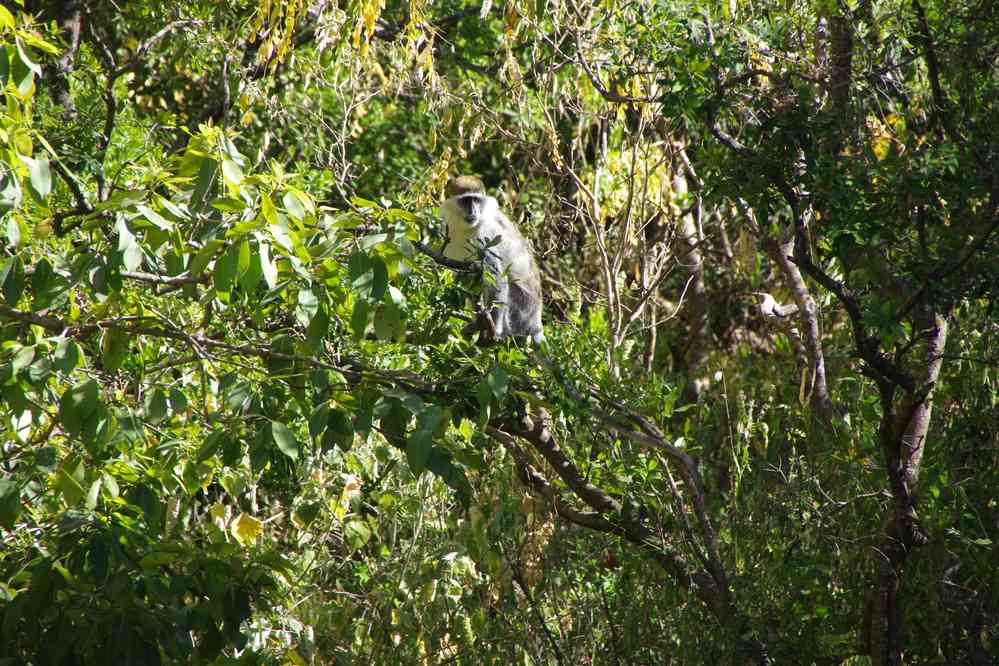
904	426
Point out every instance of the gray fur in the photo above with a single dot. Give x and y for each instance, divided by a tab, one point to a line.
512	282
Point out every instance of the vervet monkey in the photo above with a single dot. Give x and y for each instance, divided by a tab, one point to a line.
476	227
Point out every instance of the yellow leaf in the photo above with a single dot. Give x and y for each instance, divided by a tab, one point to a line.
6	18
512	17
292	657
246	529
879	146
217	511
39	43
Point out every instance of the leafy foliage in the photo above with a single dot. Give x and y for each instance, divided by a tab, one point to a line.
239	419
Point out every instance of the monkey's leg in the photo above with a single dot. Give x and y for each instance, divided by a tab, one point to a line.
496	293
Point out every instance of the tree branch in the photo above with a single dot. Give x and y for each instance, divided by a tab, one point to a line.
454	264
942	272
940	111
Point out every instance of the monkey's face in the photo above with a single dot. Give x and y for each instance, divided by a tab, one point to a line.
467	217
476	207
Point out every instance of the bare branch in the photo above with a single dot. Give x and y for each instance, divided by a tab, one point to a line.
932	67
174	281
143	49
454	264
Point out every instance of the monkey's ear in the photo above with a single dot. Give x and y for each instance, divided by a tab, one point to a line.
464	184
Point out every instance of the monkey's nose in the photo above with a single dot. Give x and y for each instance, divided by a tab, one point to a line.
470	204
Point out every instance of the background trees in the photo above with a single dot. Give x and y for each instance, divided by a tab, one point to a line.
240	423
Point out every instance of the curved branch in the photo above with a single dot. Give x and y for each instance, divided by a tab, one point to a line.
453	264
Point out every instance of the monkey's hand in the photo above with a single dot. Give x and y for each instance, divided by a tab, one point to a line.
485	326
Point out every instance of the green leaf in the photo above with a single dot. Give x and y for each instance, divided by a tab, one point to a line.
40	370
484	395
497	380
131	252
70	478
379	279
114	348
317	420
361	274
204	255
93	494
306	513
155	218
339	431
24	77
356	533
10	503
122	200
317	330
228	204
267	266
15	230
178	401
7	20
10	186
23	53
364	203
211	445
207	175
67	356
359	318
196	476
155	405
39	176
253	273
441	464
371	240
35	40
242	257
232	173
12	279
77	405
152	507
132	257
284	439
307	306
388	322
232	451
23	358
418	449
111	485
294	206
179	211
267	210
226	268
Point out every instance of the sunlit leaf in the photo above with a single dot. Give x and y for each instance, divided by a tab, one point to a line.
356	533
267	266
6	18
155	218
114	348
70	478
294	206
246	529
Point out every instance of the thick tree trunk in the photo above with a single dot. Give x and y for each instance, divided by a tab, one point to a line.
68	16
904	426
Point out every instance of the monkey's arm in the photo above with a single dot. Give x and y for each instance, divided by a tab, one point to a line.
496	290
